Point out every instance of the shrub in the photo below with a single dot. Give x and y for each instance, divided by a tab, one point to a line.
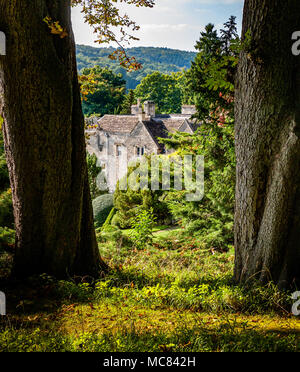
116	220
113	235
142	225
128	202
108	221
102	207
7	237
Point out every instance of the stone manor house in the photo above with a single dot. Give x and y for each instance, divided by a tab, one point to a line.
118	140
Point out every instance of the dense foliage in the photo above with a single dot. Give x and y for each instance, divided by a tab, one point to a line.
129	100
103	85
107	91
212	217
129	202
163	60
103	92
211	79
93	172
164	90
142	225
102	207
211	76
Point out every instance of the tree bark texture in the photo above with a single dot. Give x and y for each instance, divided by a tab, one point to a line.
44	142
267	217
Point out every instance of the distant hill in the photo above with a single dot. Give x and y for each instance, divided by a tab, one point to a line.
153	59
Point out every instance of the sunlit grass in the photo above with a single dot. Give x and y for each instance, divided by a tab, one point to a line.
176	295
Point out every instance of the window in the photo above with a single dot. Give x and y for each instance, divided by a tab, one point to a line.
119	150
100	145
140	151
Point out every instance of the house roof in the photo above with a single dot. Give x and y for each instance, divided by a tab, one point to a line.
173	124
174	116
118	123
159	126
157	129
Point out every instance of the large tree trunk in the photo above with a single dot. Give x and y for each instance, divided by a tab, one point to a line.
267	218
44	142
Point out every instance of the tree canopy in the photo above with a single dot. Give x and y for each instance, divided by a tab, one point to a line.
107	94
164	90
153	59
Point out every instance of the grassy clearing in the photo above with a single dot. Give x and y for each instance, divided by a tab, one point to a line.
176	295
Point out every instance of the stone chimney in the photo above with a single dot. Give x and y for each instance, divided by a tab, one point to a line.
140	112
141	115
188	109
149	107
135	109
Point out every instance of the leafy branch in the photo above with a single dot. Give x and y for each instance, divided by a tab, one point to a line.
105	18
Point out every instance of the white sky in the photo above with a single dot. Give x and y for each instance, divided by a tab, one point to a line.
171	23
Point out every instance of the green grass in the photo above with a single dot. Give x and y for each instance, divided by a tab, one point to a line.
176	295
